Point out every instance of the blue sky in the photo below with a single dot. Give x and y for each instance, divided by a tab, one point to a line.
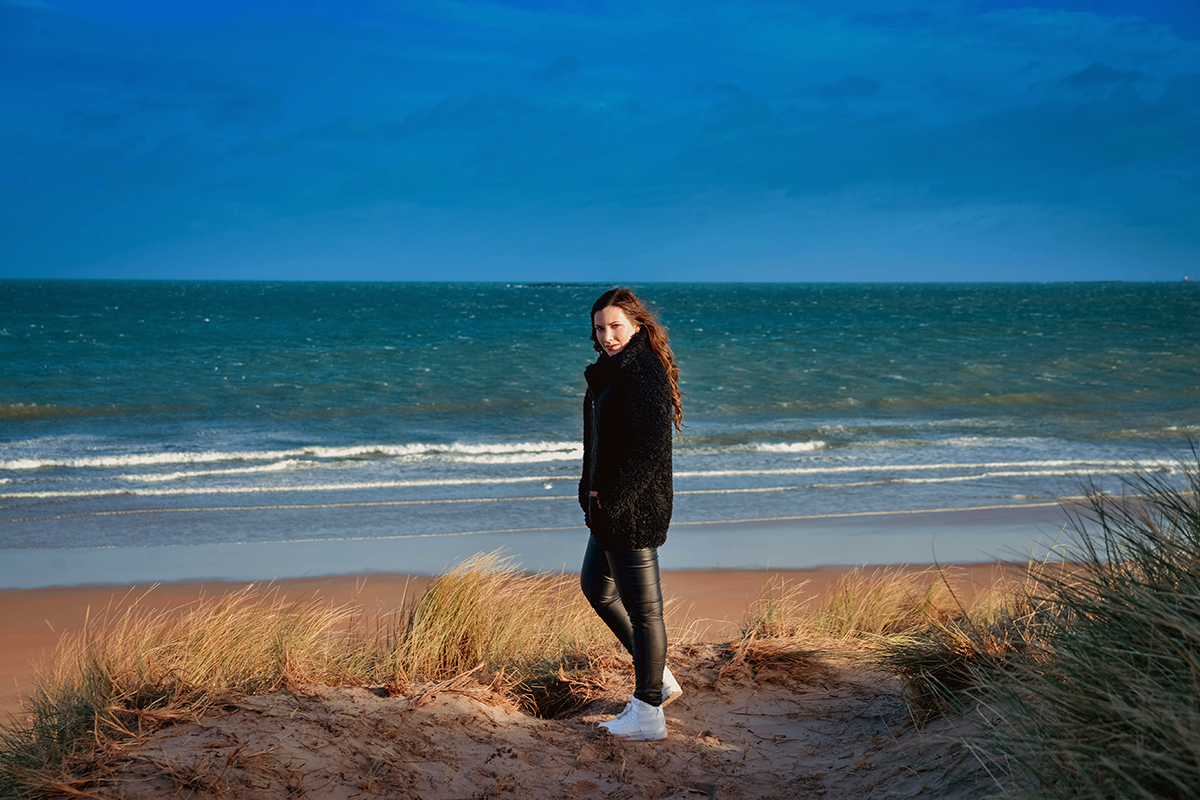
636	141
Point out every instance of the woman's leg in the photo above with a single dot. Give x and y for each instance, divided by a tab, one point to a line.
635	573
596	580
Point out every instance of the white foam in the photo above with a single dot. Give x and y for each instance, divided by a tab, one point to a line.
790	447
521	447
951	478
999	469
144	460
359	451
518	458
326	487
279	466
1075	465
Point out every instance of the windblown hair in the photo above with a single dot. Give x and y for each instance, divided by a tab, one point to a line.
656	333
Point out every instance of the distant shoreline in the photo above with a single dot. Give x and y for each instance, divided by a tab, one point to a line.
606	284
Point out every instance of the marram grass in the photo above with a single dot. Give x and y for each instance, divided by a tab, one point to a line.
486	611
1104	702
890	600
135	668
130	671
1086	676
944	662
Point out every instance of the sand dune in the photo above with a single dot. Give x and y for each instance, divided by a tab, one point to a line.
741	730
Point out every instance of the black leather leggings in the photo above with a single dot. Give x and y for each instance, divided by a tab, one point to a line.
623	587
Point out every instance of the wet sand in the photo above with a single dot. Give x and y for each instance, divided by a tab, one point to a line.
1002	532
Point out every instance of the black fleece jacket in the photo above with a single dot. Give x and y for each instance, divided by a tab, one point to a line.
627	416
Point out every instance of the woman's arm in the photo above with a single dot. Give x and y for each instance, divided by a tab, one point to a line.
587	449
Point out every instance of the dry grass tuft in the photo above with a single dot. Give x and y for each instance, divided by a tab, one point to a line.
779	611
128	673
943	664
1087	674
527	631
886	601
1105	700
576	683
131	672
487	611
801	658
778	632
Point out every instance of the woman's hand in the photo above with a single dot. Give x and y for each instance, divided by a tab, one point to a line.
597	496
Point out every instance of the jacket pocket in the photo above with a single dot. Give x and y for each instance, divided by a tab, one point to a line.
597	517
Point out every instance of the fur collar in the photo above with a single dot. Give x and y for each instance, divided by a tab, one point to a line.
606	367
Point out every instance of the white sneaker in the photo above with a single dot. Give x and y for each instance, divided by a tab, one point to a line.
641	723
671	689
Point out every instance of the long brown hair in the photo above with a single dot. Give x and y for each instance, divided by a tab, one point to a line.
656	333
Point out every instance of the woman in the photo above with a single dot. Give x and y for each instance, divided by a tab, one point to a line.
626	493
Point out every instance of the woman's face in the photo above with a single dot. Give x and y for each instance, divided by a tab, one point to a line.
613	329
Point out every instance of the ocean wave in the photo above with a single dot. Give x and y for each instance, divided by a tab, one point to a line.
1076	465
144	460
1164	432
1042	473
523	447
326	487
979	470
789	447
993	441
1029	444
891	444
279	466
126	460
518	458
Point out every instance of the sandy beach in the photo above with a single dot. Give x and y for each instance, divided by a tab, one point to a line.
743	729
703	605
706	604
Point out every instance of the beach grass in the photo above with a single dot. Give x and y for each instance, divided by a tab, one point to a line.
869	604
1103	700
127	672
486	611
945	661
1085	674
885	601
531	637
780	611
130	671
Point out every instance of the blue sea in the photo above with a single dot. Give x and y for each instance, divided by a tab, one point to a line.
140	415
